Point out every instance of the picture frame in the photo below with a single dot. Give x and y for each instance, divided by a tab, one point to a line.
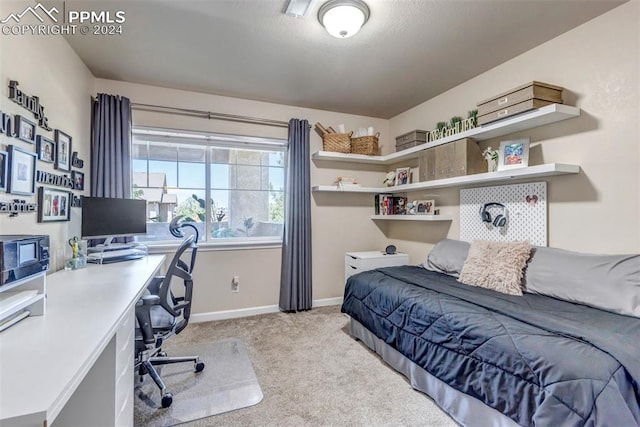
4	165
402	176
21	171
25	129
78	180
513	154
425	207
63	151
54	205
46	149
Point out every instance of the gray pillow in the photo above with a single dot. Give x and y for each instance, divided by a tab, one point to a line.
448	257
609	282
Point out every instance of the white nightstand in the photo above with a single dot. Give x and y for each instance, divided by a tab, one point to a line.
356	262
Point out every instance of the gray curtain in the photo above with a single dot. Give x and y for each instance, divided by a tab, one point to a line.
295	278
111	147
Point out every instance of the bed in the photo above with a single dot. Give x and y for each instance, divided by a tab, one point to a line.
488	358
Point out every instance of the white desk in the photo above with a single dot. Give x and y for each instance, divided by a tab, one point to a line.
74	365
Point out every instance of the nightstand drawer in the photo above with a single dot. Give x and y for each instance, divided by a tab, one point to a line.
356	262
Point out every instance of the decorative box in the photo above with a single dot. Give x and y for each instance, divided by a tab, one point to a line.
518	100
411	139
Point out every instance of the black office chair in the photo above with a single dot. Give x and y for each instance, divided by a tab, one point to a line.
160	314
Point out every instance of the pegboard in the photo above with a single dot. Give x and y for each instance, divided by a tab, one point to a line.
526	213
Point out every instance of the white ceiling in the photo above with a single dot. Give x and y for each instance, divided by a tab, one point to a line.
408	52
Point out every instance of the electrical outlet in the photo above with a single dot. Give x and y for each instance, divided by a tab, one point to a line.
235	284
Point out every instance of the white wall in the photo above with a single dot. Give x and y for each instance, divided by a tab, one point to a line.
339	223
598	65
47	67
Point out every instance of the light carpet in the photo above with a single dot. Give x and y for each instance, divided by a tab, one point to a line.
228	382
312	373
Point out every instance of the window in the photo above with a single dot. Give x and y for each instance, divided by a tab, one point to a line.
230	187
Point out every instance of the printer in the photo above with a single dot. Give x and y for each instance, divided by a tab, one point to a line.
22	256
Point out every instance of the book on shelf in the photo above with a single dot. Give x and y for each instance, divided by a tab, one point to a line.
383	204
400	205
388	204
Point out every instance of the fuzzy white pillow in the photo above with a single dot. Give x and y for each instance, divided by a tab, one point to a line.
496	265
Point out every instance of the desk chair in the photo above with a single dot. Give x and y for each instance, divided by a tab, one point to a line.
160	315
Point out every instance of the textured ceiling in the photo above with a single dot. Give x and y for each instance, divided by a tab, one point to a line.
408	52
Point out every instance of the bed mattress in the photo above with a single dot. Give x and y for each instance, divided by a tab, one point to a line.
535	359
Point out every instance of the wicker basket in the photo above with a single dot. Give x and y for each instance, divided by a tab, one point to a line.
365	145
337	142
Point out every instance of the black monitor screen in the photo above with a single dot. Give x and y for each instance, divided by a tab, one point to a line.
108	217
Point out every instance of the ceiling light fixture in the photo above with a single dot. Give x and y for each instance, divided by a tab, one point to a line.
343	18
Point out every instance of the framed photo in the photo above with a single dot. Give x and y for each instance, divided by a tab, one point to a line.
26	129
22	171
425	207
63	151
46	149
4	165
78	180
513	154
402	176
53	205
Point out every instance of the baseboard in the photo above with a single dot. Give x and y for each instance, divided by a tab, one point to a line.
327	301
254	311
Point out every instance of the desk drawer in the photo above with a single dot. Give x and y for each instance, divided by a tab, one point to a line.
125	329
124	406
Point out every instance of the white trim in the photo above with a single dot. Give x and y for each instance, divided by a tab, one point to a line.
233	314
159	134
324	302
254	311
164	248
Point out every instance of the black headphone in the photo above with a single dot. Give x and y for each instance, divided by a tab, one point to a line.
500	220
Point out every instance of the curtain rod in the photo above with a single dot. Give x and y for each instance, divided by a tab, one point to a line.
208	115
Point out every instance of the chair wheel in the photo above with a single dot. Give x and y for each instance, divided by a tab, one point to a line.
167	400
199	366
162	354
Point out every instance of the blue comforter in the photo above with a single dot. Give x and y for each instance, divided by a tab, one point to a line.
538	360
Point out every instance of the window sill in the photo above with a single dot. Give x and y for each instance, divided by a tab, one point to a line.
157	248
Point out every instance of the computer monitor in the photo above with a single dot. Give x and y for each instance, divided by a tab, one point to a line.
105	217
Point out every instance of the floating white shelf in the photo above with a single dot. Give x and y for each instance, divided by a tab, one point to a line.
540	117
336	189
538	171
413	217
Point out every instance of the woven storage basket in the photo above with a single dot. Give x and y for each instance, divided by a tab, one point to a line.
337	142
365	145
